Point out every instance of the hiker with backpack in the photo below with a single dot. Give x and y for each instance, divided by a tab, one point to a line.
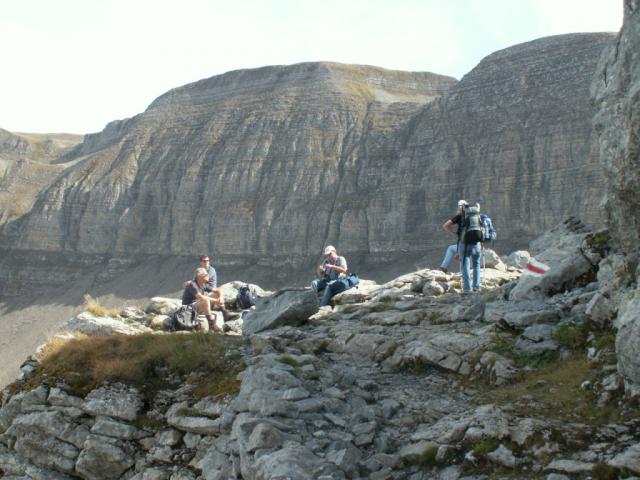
452	250
471	247
330	275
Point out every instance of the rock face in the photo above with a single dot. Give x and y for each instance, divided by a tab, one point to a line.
615	94
266	166
26	168
617	122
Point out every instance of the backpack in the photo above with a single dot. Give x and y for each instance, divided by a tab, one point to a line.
471	226
246	297
185	318
353	280
488	232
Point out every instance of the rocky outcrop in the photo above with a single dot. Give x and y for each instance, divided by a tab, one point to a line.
617	122
263	167
383	386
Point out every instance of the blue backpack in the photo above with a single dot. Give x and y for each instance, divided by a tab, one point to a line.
488	232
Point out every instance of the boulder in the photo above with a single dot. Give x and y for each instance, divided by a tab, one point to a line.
92	325
163	305
518	259
285	307
628	342
561	249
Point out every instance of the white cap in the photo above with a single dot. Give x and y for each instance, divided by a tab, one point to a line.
462	203
328	249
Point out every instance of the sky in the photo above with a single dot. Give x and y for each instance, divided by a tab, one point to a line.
75	65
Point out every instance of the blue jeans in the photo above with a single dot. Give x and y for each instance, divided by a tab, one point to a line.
470	253
330	288
451	251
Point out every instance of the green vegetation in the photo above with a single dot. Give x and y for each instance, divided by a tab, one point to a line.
289	360
573	337
428	456
485	446
148	362
556	390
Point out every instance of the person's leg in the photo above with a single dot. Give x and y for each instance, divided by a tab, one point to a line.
204	308
466	261
475	255
448	256
333	288
318	284
326	296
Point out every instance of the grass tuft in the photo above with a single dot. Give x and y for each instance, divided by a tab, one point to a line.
91	305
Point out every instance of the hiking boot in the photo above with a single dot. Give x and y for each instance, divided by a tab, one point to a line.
227	315
212	326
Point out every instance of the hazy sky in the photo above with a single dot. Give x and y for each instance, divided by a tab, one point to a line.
75	65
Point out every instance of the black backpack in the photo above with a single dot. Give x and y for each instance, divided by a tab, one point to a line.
185	318
246	297
472	225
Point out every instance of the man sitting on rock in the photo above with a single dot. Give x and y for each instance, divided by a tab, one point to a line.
195	294
210	289
331	274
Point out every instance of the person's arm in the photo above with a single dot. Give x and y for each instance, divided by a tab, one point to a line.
338	268
201	296
447	227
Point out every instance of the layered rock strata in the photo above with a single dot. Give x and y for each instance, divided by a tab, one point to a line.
264	167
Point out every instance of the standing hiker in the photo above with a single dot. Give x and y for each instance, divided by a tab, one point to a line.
452	250
471	247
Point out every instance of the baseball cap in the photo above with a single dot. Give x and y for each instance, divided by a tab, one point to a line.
328	249
462	203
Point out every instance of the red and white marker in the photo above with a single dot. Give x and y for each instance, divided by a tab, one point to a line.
535	267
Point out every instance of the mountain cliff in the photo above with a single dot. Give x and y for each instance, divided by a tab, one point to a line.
264	167
27	167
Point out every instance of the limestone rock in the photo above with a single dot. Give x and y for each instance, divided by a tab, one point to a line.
101	460
91	325
285	307
115	401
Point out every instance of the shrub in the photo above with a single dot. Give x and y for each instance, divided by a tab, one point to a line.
571	336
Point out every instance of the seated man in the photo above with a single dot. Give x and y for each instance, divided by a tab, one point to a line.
195	294
211	291
331	274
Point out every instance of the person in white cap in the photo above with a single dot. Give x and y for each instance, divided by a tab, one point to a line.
453	249
330	273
